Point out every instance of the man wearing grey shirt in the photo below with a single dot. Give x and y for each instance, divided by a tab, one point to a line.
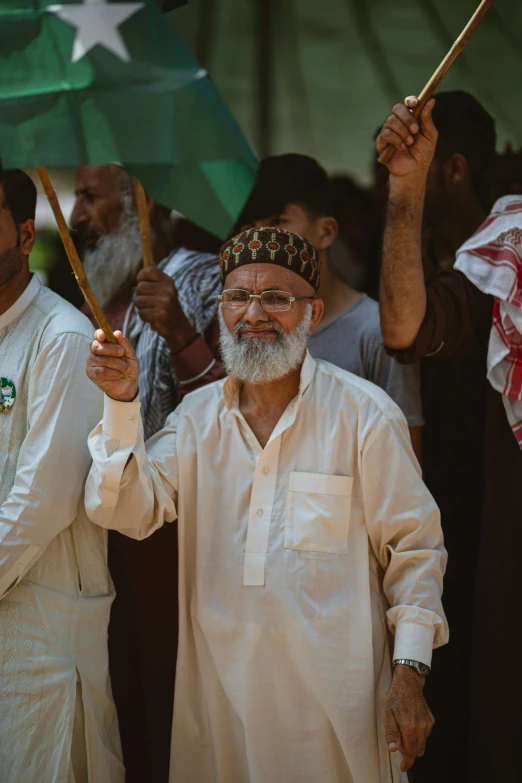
353	341
293	192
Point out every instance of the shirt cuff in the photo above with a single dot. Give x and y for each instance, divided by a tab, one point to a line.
414	642
121	419
194	361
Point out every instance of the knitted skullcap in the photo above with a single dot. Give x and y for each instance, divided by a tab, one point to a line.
271	246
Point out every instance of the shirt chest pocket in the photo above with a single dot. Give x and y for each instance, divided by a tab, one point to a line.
318	513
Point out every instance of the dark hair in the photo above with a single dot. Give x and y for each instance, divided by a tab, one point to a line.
19	195
288	179
466	127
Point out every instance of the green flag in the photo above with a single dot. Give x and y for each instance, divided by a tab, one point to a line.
99	82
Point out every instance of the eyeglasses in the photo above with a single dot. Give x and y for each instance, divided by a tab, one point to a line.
271	301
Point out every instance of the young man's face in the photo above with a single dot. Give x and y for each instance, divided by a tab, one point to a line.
294	218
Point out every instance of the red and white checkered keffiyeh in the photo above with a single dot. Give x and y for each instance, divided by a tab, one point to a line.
492	260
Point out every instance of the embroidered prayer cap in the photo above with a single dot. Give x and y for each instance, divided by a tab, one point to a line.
271	246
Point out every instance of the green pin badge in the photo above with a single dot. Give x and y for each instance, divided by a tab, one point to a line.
7	394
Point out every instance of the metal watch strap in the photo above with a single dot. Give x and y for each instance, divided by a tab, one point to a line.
421	668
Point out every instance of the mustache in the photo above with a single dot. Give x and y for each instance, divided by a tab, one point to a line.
86	233
244	326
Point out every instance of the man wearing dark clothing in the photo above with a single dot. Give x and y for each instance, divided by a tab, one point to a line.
472	461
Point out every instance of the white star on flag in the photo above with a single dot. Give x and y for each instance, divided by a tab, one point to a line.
97	23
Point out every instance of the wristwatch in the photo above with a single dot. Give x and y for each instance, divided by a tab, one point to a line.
421	668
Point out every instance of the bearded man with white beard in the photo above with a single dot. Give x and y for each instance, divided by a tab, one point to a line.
305	532
169	313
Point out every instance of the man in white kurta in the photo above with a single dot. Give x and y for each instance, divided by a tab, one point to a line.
296	556
57	718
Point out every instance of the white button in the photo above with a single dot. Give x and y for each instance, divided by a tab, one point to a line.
260	513
266	470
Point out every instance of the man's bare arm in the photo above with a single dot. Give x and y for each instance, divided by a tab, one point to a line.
403	290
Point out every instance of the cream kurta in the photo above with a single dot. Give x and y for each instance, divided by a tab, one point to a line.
55	590
292	560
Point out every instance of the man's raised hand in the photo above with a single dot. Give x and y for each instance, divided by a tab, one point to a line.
414	139
158	304
114	367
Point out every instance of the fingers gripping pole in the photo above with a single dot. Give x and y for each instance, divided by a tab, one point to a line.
143	214
433	84
73	257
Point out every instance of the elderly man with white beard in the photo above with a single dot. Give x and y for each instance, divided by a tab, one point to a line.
306	534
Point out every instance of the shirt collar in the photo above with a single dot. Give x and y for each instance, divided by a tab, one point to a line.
232	385
21	304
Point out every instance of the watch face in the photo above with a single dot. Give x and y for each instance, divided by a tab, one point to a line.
424	670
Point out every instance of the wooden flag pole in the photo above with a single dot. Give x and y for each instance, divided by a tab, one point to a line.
73	256
143	214
458	47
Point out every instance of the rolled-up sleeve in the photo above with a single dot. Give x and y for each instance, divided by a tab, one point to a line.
403	524
131	488
457	321
53	462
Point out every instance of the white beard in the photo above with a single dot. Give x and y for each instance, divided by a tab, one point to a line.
116	259
258	360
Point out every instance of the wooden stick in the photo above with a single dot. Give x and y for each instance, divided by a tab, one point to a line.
143	214
73	257
433	84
